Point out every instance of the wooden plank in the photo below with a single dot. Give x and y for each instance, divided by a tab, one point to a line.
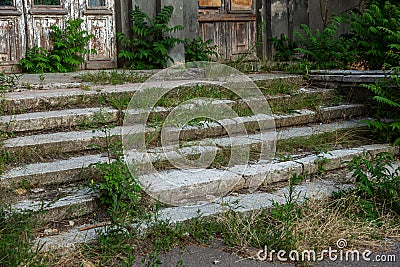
226	17
210	3
241	5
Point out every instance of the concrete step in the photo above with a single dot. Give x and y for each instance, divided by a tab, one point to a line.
66	142
346	78
85	95
241	203
57	204
55	119
78	168
187	187
60	119
53	173
198	186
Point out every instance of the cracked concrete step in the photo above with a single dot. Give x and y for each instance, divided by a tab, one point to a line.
58	204
243	145
63	142
240	203
78	168
51	173
75	201
347	78
197	186
39	121
60	98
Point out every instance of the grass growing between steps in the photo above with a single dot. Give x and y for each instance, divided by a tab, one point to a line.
315	224
318	143
16	232
114	77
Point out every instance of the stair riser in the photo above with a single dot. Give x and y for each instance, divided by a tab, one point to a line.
43	177
33	153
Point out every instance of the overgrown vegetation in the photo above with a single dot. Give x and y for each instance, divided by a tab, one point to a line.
113	77
199	50
149	48
378	186
16	247
68	52
372	40
387	108
324	48
284	49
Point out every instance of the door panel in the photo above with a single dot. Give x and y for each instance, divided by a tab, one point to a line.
210	3
41	15
12	34
232	29
8	39
99	17
212	30
241	5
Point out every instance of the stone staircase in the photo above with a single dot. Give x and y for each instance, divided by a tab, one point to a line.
55	136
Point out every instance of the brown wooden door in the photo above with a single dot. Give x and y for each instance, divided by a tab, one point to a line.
231	24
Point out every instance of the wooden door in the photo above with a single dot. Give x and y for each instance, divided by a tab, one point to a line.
12	33
40	16
231	24
26	23
99	20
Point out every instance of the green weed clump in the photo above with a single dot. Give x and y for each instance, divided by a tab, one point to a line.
378	185
68	52
150	46
16	232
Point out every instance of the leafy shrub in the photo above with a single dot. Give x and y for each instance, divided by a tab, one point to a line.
387	110
373	33
67	54
378	188
199	50
150	45
325	47
284	48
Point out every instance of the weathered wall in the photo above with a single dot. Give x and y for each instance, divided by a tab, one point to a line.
288	15
321	10
185	13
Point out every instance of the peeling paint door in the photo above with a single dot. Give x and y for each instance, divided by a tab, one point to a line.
26	23
12	34
231	24
40	16
99	17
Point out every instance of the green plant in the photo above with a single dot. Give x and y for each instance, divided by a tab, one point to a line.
151	43
387	110
321	162
324	47
16	248
375	33
284	49
114	77
8	82
68	52
378	185
286	214
199	50
119	191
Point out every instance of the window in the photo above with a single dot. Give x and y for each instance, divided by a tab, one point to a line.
46	2
95	3
6	3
